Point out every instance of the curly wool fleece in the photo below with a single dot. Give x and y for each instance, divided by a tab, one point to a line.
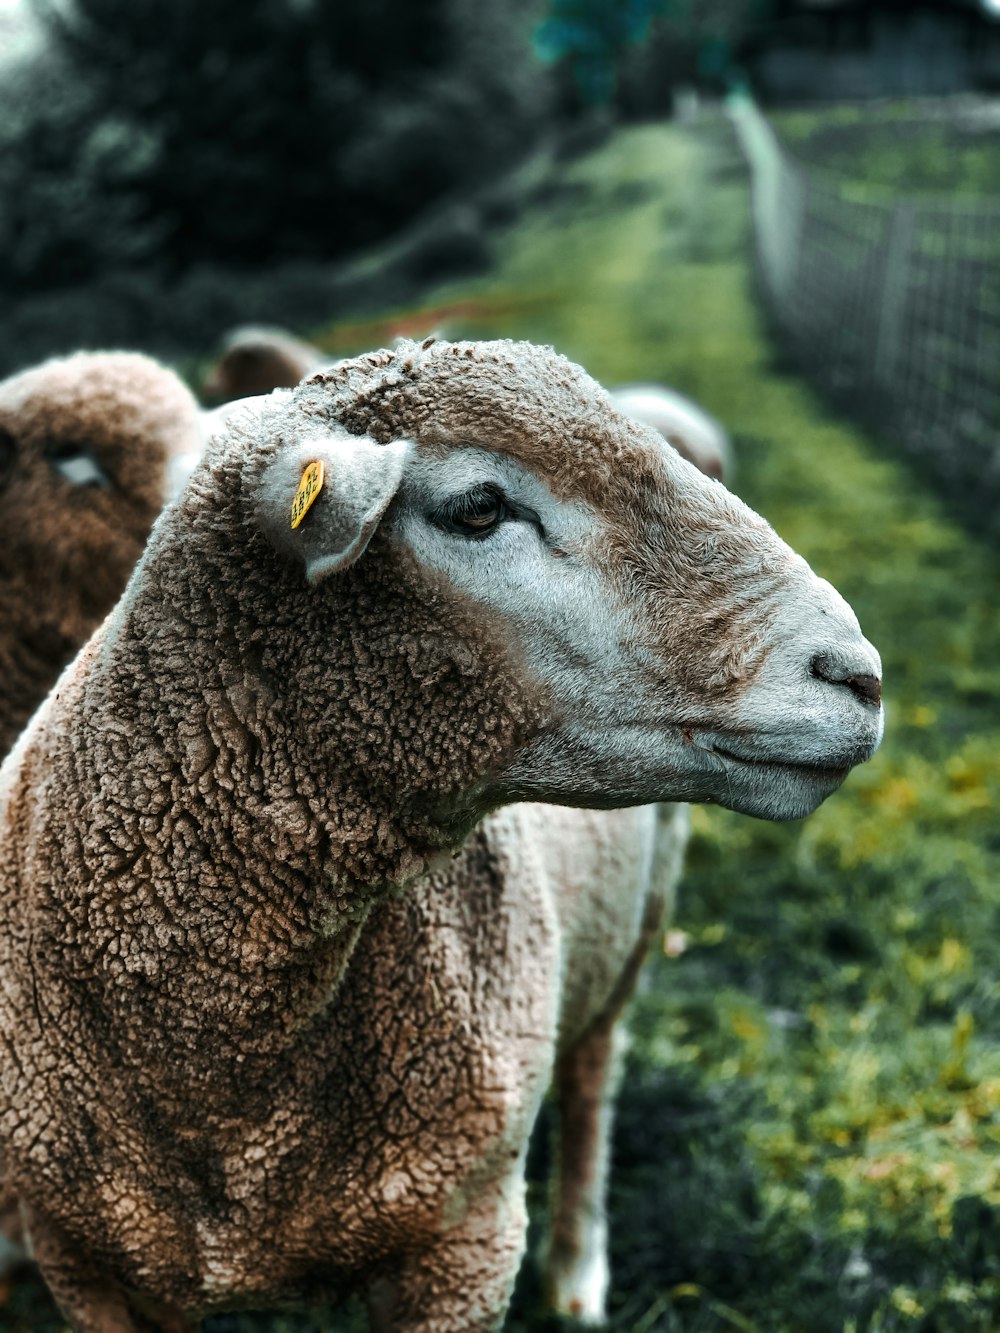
67	550
238	1067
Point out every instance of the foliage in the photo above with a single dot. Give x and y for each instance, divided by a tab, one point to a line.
591	34
900	147
637	51
66	203
288	128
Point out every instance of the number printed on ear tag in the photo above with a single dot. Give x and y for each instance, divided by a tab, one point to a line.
309	487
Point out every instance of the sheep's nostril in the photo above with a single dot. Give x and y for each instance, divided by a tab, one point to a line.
865	687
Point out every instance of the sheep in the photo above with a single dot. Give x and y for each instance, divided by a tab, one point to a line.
255	360
288	955
89	448
693	432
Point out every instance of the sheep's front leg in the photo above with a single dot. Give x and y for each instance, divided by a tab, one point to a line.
576	1266
91	1302
463	1282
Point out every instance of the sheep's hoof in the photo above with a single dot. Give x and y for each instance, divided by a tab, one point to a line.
579	1288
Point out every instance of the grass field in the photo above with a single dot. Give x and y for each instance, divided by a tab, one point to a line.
936	146
809	1128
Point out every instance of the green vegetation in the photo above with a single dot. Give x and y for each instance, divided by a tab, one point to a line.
313	129
590	35
809	1127
898	147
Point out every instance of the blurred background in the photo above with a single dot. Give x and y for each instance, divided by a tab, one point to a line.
790	211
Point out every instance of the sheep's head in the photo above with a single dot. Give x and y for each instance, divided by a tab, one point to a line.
257	360
86	447
683	651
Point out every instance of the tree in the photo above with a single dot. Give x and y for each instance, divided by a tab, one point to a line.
591	36
244	129
647	45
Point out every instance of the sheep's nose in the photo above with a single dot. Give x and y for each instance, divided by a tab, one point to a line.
862	684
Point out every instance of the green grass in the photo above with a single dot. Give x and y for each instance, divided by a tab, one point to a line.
809	1129
901	147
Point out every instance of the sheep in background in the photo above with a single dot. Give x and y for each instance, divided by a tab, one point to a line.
683	423
90	447
256	360
265	1039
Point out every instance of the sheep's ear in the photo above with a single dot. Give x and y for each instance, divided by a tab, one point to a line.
323	500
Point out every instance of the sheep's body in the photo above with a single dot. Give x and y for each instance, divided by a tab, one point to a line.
506	967
363	1136
86	447
683	423
262	1039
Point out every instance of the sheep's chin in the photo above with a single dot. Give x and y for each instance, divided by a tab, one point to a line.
628	766
776	791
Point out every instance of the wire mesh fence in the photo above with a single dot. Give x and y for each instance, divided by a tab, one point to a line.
892	304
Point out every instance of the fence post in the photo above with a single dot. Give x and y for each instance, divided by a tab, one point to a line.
894	305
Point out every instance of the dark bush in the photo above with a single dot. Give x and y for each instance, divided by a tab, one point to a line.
166	133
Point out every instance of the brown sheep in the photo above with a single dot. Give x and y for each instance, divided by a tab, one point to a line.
265	1040
256	360
87	448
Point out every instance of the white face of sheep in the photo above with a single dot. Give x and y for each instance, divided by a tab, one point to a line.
690	655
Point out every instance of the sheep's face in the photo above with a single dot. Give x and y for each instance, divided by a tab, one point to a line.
685	652
85	444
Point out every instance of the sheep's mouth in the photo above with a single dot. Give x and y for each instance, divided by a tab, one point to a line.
814	772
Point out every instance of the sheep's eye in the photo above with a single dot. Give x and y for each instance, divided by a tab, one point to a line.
76	464
475	514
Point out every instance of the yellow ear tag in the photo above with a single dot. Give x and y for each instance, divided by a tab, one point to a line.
309	488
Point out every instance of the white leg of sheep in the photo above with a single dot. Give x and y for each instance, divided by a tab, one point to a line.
622	873
577	1272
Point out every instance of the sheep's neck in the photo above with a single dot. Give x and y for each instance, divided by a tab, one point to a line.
256	766
227	874
216	921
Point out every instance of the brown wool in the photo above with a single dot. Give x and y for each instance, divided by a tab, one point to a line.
67	550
